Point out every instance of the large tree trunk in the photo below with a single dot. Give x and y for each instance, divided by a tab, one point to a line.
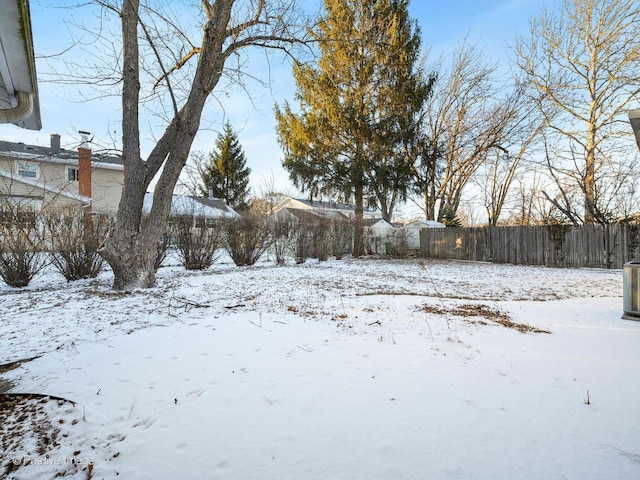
429	206
132	259
131	248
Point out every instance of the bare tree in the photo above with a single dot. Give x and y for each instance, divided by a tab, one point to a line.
521	125
190	181
462	124
528	206
155	46
582	66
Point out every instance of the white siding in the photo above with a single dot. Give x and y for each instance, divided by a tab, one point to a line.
106	189
106	183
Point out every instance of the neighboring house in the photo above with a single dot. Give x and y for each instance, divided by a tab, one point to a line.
43	177
19	102
314	233
413	231
201	208
323	207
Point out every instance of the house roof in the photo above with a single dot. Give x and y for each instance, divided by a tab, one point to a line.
39	153
426	224
198	206
310	216
305	216
19	102
330	205
370	222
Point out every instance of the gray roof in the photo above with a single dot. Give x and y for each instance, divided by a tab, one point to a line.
369	222
425	224
216	203
19	149
310	216
197	206
321	204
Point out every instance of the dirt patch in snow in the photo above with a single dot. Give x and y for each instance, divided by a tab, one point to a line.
32	426
469	311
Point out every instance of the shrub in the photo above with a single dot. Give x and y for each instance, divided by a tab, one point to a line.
21	245
246	238
342	236
397	243
284	235
320	231
75	237
197	241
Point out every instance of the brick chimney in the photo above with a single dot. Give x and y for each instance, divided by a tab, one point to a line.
55	143
84	168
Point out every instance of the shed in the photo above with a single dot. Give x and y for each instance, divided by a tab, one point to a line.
413	231
378	232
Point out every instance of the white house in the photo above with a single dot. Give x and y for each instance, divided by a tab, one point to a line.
413	231
40	177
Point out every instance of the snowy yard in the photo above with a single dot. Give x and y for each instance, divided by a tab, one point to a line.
352	369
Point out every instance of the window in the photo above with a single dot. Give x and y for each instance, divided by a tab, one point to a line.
28	169
72	174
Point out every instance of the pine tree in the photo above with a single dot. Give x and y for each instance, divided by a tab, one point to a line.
350	137
226	175
449	217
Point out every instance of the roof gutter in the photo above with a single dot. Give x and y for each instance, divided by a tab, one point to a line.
17	67
21	111
634	119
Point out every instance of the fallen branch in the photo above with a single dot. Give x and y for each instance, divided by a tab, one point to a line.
191	303
234	306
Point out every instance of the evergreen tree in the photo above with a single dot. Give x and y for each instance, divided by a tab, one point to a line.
226	174
351	136
449	217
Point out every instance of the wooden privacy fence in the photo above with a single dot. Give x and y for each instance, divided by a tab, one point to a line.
595	246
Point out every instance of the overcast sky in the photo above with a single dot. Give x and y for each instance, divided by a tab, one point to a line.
444	23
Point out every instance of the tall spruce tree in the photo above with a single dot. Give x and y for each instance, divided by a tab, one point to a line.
351	134
226	175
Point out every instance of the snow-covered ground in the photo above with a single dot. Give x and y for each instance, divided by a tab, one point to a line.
351	369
